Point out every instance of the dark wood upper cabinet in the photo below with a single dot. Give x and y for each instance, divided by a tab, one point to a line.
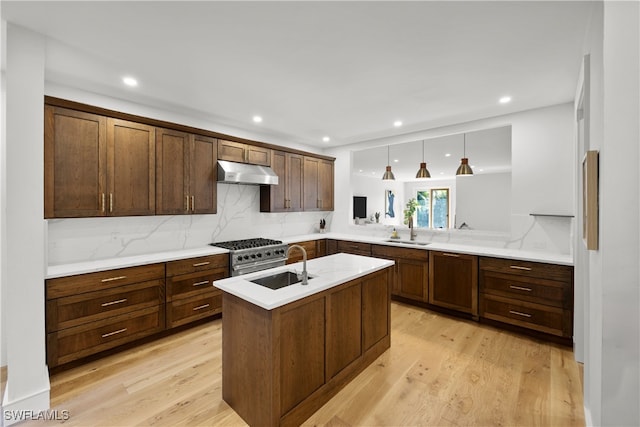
75	153
318	184
185	173
453	281
97	166
131	166
243	153
287	195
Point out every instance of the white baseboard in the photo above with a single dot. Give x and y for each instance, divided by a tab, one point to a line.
24	408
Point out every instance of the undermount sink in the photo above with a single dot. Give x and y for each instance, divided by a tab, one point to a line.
407	242
278	280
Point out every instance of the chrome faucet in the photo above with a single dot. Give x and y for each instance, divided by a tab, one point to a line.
412	232
305	276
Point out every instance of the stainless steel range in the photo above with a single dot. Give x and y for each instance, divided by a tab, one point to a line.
249	255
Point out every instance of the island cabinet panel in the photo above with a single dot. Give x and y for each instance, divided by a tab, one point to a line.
298	380
89	313
410	272
190	292
530	295
279	366
376	321
344	326
453	280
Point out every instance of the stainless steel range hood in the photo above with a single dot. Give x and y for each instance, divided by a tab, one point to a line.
242	173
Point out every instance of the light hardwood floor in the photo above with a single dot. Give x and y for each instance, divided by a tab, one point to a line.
440	371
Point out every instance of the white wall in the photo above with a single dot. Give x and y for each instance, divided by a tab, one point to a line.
483	201
3	127
373	188
22	241
542	139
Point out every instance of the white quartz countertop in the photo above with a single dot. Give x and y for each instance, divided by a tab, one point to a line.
325	273
62	270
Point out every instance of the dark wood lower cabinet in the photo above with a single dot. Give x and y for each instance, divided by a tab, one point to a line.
281	365
454	281
410	272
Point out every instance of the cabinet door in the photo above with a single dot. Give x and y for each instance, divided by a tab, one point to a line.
203	180
454	281
273	198
295	189
344	327
231	151
131	168
325	185
172	171
75	159
258	155
375	308
412	279
311	174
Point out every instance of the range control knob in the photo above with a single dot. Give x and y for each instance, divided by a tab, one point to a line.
259	255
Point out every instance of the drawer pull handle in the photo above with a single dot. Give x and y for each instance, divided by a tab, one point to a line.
119	331
204	282
517	267
448	254
520	288
519	313
119	301
200	264
200	307
111	279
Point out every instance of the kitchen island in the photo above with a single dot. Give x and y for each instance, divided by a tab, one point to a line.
286	352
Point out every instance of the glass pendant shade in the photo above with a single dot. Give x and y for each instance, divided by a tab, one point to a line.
388	175
423	172
464	168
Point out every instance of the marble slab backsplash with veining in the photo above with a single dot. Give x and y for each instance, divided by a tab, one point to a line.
529	233
238	217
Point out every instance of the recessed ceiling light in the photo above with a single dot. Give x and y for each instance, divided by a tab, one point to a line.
481	170
441	173
397	123
257	119
395	160
360	171
448	155
373	173
505	100
326	139
130	81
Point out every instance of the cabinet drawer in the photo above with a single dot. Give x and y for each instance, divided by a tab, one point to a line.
386	252
73	343
543	318
296	255
199	283
192	265
186	310
542	291
91	306
528	269
357	248
74	285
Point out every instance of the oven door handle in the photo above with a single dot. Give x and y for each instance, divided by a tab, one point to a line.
278	262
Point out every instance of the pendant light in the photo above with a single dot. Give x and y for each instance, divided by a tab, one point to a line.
388	175
423	172
464	168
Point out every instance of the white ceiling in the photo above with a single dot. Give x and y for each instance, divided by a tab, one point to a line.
347	70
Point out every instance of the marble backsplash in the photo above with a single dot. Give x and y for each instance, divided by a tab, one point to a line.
239	217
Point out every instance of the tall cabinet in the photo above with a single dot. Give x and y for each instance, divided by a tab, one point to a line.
318	184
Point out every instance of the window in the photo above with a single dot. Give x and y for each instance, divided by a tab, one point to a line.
433	208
